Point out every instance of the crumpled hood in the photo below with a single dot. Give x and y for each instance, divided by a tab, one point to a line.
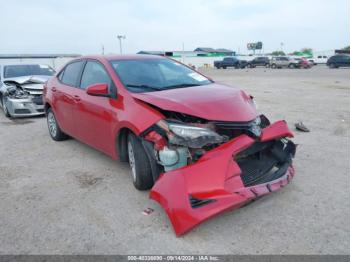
33	84
212	102
22	80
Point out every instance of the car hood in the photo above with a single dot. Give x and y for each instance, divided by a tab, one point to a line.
22	80
211	102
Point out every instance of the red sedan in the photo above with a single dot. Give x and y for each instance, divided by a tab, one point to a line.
201	147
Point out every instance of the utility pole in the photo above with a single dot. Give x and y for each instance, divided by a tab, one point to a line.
103	49
120	37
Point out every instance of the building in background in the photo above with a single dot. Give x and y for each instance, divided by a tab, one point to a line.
199	57
53	60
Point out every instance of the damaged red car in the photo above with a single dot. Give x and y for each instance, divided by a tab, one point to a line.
199	146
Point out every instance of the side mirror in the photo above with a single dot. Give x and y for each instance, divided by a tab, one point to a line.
98	90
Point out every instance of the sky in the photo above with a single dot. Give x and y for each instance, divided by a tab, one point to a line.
84	26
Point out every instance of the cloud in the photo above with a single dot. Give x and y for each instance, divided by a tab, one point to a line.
65	26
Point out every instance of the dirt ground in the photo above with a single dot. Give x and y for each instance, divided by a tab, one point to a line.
66	198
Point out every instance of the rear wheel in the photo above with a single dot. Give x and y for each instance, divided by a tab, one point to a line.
224	67
4	107
54	130
139	164
273	66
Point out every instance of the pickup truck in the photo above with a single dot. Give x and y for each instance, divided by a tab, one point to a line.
230	62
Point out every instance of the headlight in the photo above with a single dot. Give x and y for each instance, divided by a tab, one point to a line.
191	132
191	136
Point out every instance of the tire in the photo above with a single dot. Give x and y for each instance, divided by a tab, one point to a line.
332	65
291	66
224	67
4	108
273	66
54	129
139	164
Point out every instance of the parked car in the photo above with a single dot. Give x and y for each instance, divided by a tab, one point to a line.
259	61
280	62
21	88
201	147
320	59
230	62
336	61
300	62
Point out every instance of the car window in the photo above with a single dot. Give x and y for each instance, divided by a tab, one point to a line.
94	73
27	70
156	74
71	73
228	59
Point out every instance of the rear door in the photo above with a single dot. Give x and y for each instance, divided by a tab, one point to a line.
92	114
65	90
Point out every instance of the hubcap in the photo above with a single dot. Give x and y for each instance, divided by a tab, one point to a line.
132	160
52	124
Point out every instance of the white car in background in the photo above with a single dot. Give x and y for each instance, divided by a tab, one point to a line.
320	59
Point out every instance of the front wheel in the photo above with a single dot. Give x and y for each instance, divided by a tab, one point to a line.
273	66
4	107
139	164
54	130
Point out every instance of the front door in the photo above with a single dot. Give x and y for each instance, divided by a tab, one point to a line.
94	115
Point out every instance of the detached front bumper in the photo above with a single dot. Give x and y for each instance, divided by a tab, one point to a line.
226	177
23	107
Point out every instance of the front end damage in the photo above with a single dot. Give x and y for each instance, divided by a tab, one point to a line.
22	96
202	168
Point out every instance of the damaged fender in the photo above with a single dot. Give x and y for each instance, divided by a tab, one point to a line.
214	184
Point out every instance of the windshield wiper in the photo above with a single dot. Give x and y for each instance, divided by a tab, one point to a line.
144	87
181	85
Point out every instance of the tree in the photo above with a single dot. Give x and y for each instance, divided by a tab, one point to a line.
277	53
347	47
306	50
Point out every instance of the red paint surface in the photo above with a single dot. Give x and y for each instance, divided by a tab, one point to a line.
215	176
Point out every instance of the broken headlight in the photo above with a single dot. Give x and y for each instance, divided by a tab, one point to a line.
189	135
191	132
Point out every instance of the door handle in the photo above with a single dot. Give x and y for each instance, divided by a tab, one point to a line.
54	89
76	98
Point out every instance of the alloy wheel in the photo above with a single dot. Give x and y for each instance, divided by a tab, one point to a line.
51	121
132	160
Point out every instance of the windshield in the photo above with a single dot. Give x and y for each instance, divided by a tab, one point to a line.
27	70
156	74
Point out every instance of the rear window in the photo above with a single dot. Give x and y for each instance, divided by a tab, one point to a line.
71	73
27	70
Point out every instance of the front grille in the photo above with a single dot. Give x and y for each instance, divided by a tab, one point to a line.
22	111
265	161
38	100
233	129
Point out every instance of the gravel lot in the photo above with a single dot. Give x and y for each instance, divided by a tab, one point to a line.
66	198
